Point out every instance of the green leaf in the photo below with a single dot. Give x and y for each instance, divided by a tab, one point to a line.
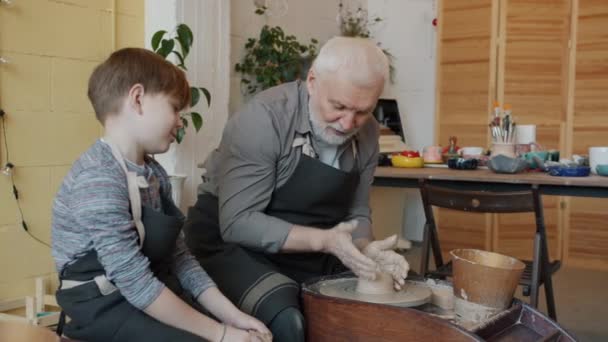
185	38
166	46
261	10
185	122
207	95
156	39
180	135
195	96
197	121
181	59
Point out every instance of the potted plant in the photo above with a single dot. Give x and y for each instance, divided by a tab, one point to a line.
178	43
274	58
357	24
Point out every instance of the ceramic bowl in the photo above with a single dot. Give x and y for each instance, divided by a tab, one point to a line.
462	164
504	164
569	171
602	169
403	161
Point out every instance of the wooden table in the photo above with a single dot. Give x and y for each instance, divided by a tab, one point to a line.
592	186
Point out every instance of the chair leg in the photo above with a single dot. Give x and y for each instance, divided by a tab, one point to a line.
424	260
435	246
536	262
550	298
548	281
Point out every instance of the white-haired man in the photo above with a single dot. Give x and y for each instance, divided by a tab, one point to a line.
285	196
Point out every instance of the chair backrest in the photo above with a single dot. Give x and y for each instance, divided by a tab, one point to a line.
480	201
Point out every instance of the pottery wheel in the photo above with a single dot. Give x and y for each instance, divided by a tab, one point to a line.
411	294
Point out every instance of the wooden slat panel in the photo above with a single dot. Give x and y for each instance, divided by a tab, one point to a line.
535	78
464	67
516	232
588	240
468	135
463	97
535	74
588	231
591	85
459	229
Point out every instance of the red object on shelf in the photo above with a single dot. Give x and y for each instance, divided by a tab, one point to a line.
435	22
411	154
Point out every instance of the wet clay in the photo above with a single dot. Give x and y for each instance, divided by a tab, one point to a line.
383	284
411	294
473	312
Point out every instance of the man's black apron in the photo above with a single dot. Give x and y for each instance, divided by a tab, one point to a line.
96	316
263	284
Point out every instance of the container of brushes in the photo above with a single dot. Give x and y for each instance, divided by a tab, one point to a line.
506	149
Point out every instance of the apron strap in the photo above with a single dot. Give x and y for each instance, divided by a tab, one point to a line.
305	143
133	183
307	149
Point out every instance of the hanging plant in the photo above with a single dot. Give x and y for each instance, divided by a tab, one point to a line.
179	44
358	24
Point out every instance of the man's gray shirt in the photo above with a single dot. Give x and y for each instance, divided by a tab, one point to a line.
255	157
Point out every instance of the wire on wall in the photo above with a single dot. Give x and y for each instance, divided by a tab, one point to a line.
7	170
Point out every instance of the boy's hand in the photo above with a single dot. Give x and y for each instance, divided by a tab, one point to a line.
245	322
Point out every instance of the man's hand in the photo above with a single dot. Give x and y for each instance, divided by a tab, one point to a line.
381	251
339	242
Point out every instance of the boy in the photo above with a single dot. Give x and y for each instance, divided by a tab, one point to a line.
125	272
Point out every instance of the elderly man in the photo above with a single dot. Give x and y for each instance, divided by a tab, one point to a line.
285	197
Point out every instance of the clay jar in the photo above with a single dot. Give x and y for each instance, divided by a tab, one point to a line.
383	284
506	149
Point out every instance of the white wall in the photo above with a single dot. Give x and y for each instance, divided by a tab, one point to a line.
221	29
208	66
304	18
407	32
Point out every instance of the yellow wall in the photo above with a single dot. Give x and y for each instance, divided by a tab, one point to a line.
52	47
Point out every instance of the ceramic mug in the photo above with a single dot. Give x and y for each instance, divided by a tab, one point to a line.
471	152
602	169
597	156
432	154
542	155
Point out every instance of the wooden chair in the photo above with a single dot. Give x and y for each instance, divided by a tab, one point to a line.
538	271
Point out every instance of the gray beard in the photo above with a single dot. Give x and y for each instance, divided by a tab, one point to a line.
321	130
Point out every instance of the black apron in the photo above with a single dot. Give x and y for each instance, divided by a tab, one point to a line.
263	284
110	317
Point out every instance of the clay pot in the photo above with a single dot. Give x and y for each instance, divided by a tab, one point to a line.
485	278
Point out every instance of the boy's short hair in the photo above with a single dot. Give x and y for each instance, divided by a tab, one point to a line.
112	80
